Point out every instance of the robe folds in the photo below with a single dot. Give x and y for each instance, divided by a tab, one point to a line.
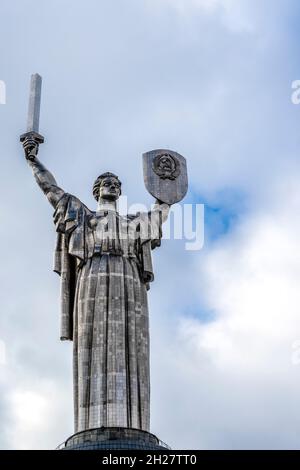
105	265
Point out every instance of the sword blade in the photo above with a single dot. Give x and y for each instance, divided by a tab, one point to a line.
34	107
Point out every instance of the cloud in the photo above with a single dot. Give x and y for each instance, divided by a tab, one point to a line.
255	273
234	377
233	14
33	416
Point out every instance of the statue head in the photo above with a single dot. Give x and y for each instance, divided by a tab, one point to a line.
107	186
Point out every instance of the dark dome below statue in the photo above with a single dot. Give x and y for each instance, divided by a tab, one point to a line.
113	438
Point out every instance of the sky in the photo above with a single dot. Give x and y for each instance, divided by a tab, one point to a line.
211	79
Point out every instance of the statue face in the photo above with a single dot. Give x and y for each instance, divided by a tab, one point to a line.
110	189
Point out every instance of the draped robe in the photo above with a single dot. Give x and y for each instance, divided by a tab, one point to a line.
105	265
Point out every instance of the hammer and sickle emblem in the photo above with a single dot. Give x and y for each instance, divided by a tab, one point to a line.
166	166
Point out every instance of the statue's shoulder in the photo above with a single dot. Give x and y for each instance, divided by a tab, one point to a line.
87	210
71	206
76	203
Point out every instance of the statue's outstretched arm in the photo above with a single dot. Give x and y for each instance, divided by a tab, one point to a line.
43	177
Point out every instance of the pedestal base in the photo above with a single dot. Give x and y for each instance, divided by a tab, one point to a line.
113	438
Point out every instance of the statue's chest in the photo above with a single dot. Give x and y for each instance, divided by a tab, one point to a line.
114	233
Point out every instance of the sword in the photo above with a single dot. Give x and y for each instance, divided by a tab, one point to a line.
34	113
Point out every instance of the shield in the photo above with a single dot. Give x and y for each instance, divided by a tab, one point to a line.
165	175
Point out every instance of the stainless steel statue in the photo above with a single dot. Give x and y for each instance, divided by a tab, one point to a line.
104	260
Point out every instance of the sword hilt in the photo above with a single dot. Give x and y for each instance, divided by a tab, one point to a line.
38	138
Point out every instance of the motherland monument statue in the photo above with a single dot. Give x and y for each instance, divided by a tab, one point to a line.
104	261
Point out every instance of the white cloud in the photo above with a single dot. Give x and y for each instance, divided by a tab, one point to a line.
238	372
35	410
235	14
252	281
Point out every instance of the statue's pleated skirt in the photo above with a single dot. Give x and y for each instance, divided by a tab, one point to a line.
111	345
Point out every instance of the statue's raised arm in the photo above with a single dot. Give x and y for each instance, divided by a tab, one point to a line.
44	178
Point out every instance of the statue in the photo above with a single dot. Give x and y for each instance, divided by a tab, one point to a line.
104	260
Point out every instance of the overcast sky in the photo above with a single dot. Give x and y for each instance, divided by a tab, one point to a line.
212	80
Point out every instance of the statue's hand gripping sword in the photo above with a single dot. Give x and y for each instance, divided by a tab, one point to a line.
34	116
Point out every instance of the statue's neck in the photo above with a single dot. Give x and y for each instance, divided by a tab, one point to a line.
107	205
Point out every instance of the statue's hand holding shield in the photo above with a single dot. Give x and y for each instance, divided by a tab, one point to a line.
165	175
